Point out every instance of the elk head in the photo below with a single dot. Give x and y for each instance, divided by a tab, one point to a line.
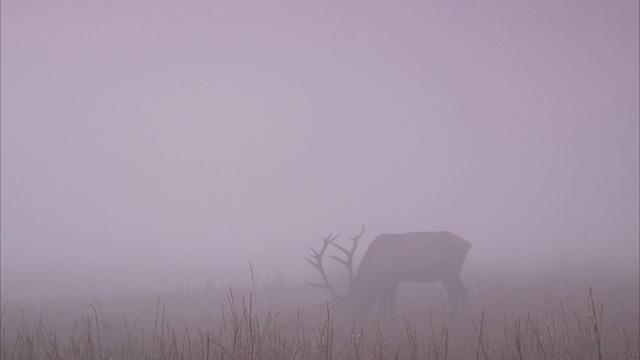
392	259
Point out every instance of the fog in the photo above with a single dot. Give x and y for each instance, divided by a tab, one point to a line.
148	145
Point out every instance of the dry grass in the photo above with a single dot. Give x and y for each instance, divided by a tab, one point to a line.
586	314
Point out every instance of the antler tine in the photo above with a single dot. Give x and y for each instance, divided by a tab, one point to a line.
317	255
348	262
325	243
344	250
354	240
328	240
341	261
316	261
357	237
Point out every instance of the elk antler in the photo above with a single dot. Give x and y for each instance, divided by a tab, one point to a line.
316	261
348	262
317	256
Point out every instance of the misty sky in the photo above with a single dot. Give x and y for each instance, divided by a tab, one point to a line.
202	135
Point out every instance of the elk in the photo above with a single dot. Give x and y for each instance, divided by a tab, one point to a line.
392	259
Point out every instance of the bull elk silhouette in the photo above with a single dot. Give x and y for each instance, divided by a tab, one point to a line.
392	259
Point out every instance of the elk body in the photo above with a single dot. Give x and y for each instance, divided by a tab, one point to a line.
395	258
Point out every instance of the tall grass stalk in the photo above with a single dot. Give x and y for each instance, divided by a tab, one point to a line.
285	325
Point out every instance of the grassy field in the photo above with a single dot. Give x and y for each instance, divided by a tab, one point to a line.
581	312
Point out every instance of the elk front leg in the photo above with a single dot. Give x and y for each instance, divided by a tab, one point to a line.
388	295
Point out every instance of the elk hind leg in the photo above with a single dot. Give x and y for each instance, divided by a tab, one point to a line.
458	293
388	295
